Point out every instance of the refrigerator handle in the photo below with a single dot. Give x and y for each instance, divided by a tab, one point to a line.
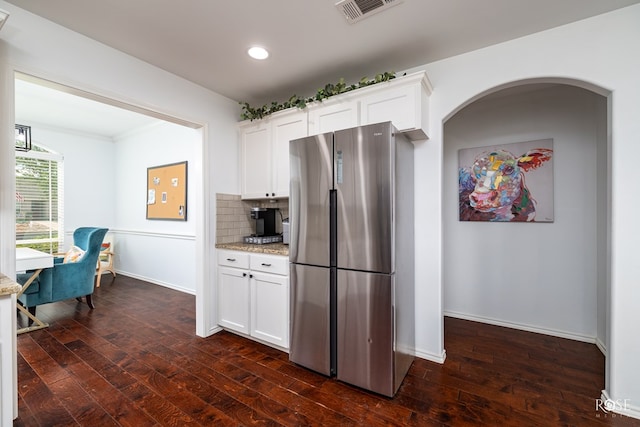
333	320
333	227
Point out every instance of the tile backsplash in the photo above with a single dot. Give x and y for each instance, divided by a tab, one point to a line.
233	220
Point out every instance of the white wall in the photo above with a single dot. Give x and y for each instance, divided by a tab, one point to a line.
157	251
534	276
88	167
105	186
603	206
600	53
32	45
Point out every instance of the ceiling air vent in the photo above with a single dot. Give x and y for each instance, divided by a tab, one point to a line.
357	10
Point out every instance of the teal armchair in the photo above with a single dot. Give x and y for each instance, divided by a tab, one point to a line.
66	280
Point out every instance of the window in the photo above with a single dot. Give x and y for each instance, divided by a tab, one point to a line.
39	200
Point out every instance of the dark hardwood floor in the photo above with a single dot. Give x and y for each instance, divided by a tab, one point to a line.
135	361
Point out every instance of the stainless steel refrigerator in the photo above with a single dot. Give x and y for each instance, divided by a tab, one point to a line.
352	255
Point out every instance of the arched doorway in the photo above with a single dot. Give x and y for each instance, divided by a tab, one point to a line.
551	278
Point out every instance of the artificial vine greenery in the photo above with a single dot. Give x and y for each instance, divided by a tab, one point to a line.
329	90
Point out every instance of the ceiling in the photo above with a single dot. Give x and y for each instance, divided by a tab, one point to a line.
38	104
310	42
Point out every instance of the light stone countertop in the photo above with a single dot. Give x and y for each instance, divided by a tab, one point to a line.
270	248
8	286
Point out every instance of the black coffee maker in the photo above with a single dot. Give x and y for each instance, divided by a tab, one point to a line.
265	221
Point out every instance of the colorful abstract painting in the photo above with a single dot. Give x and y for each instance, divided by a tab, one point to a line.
507	183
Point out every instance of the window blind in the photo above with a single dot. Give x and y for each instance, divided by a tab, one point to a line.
39	200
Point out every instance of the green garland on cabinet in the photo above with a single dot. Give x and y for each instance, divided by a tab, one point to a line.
329	90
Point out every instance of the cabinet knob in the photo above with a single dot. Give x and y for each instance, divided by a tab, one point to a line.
244	274
273	194
251	276
266	194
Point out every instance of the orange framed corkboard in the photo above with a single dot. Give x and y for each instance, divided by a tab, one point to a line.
167	192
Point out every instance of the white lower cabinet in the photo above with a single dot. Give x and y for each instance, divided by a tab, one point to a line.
270	308
233	299
253	295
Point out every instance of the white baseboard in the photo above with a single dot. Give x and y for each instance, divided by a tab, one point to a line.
523	327
214	330
621	407
432	357
256	339
147	233
157	282
601	346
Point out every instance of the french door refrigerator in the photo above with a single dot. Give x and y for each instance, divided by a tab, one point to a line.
352	255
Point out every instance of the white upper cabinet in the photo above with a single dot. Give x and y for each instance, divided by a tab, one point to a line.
283	130
404	102
332	115
255	157
265	154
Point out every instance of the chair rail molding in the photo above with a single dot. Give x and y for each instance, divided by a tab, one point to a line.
160	234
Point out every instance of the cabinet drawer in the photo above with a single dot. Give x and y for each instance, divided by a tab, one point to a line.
270	264
233	259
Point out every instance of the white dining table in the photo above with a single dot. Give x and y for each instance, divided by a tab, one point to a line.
34	261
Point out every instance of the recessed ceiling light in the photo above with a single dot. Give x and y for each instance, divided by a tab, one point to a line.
258	52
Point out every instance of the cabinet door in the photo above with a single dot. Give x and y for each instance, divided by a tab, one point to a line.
233	299
329	118
256	165
400	106
284	129
270	308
